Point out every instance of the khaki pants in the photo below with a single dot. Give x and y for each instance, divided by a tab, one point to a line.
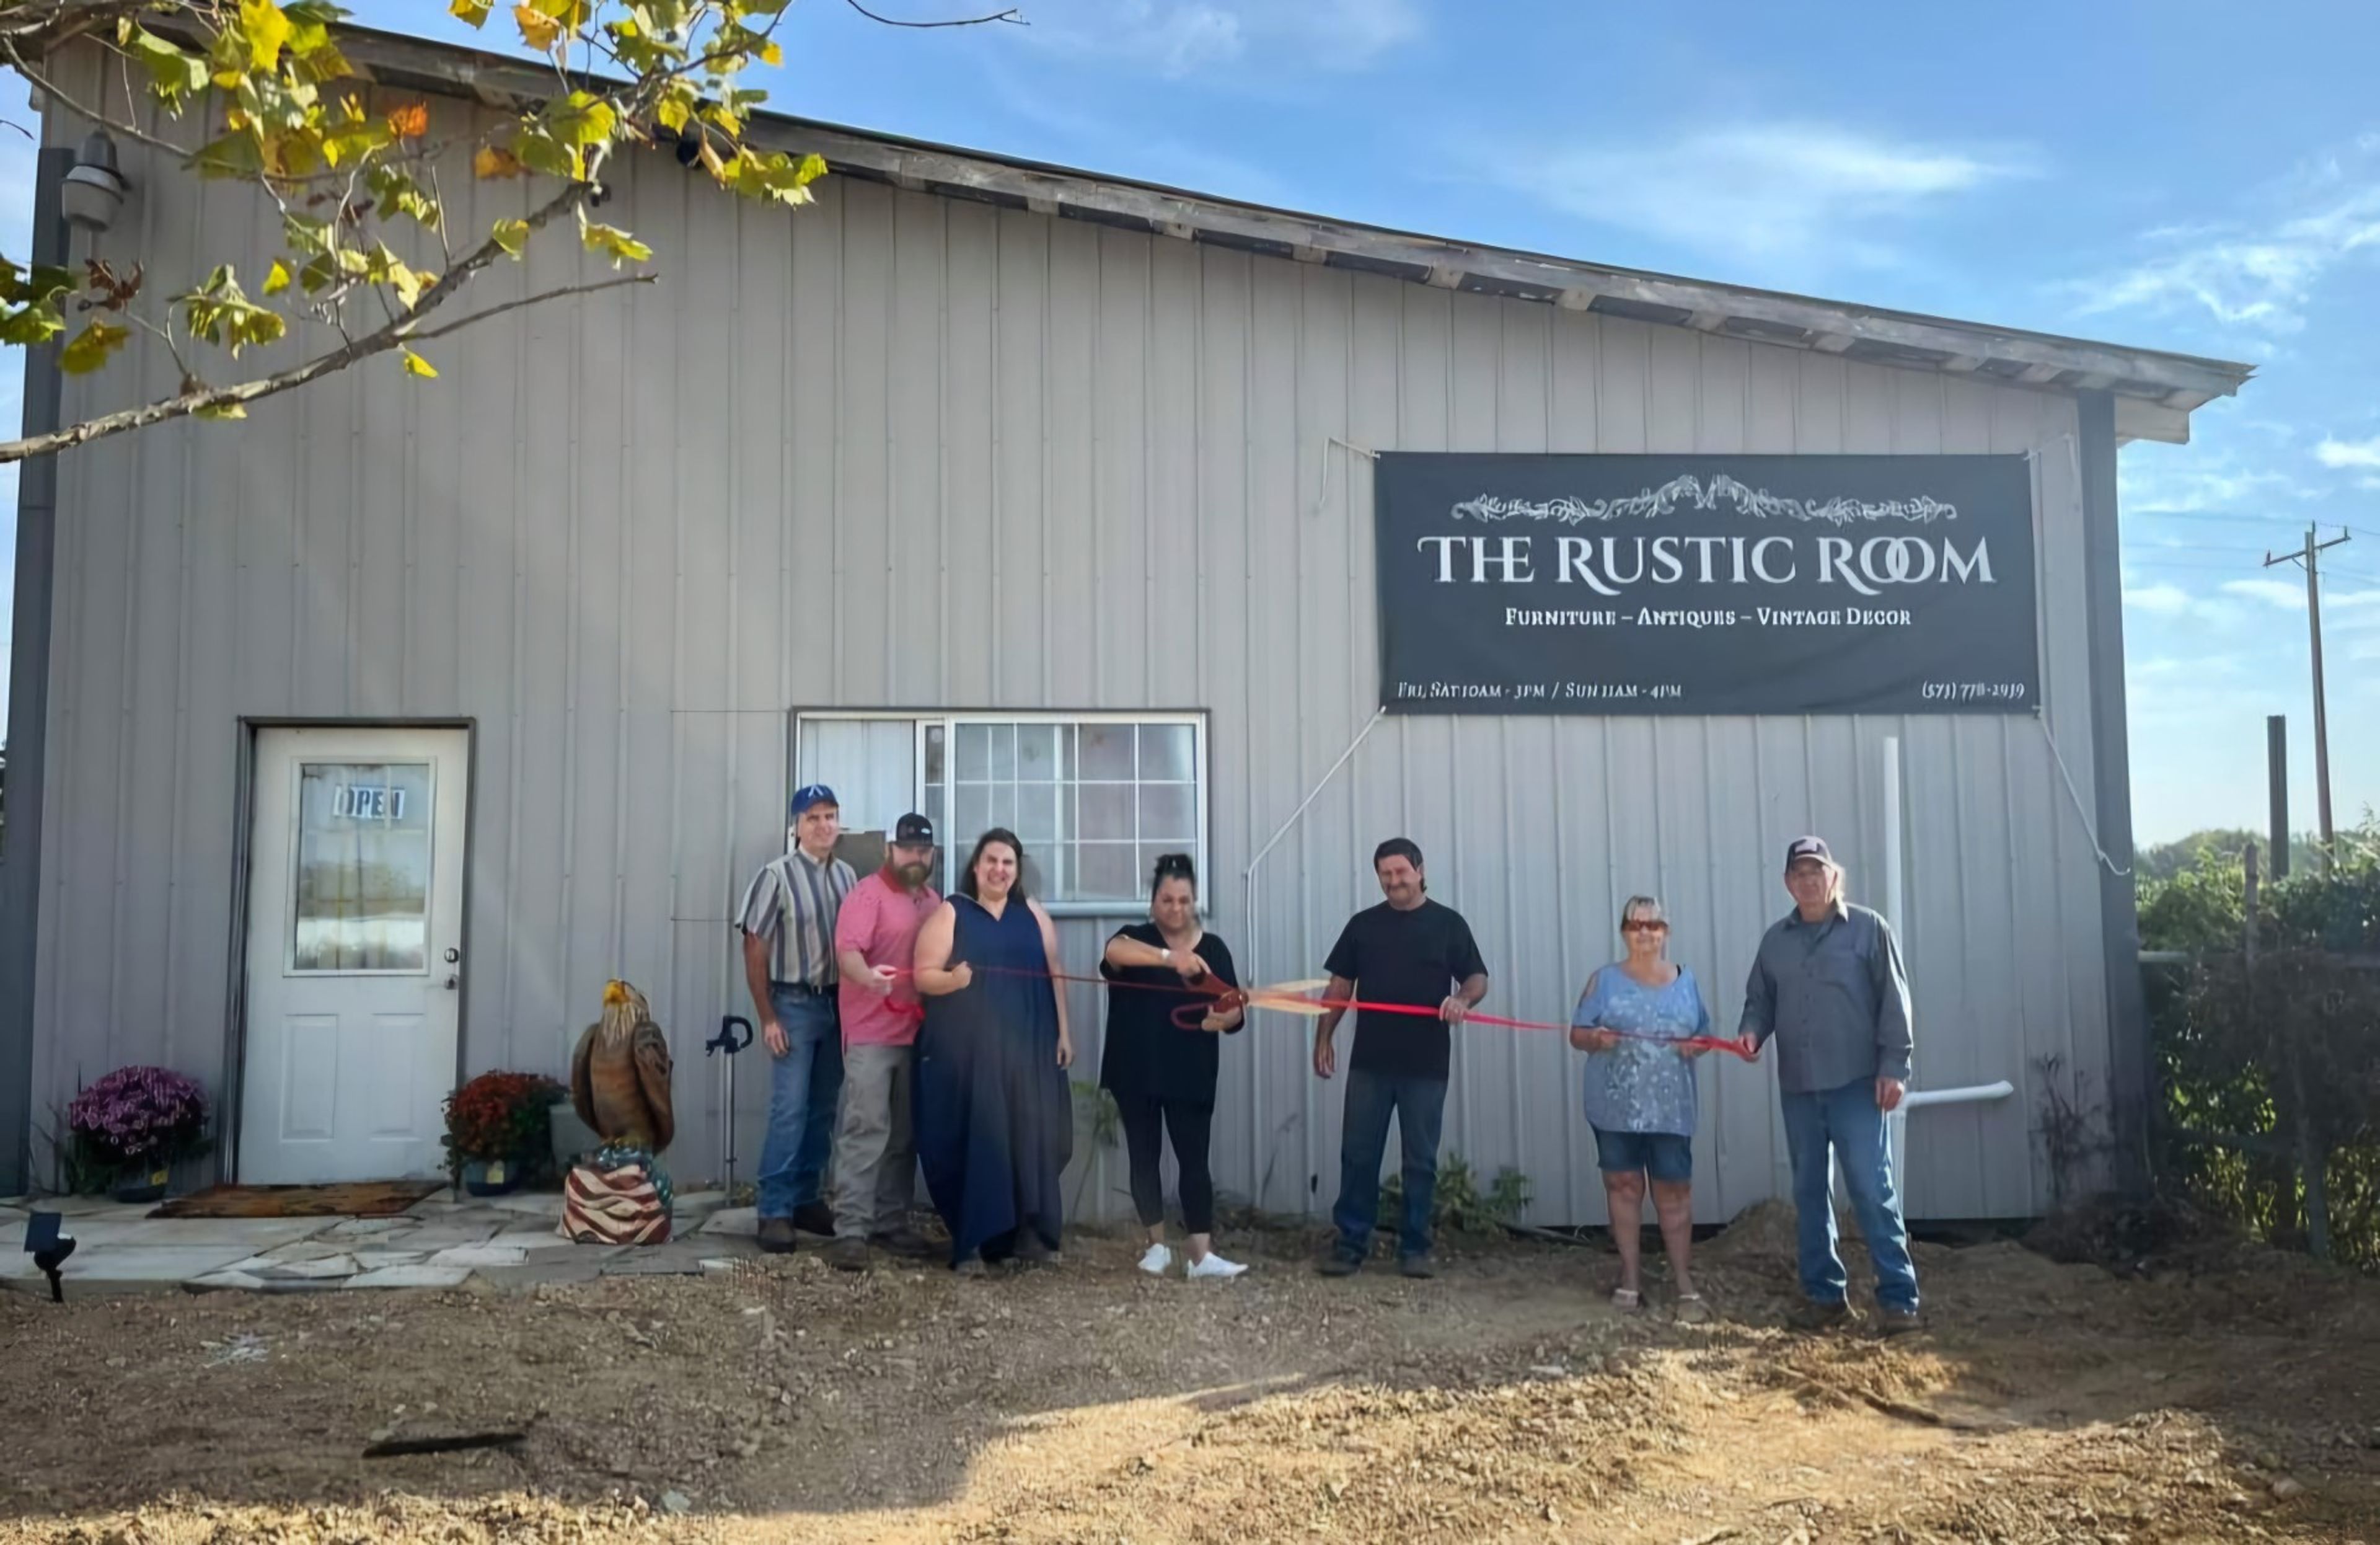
875	1160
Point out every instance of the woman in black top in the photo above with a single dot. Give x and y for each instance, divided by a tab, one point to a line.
1162	1076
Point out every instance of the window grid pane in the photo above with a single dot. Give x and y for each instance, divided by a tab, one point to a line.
1094	802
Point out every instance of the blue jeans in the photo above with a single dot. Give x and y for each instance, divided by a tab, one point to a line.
1419	1105
1847	1120
802	1086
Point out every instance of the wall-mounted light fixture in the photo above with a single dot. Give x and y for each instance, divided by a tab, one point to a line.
92	189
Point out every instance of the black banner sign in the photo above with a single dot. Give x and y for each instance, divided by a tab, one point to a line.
1706	584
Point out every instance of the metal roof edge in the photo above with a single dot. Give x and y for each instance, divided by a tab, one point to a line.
2157	388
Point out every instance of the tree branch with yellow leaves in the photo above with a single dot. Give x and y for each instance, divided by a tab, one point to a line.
271	102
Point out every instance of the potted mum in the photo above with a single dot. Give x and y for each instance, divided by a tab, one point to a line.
497	1125
131	1127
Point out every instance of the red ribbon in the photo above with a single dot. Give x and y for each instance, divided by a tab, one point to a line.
1215	998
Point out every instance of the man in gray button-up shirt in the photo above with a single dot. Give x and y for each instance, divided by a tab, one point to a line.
1827	984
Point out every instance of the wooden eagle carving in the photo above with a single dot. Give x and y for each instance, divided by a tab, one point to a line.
620	1075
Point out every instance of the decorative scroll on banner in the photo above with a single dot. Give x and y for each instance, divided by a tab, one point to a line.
1706	584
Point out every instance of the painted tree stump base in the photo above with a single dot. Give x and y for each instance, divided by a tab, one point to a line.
622	1203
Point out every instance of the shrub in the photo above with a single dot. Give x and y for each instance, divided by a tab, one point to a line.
133	1121
502	1117
1458	1205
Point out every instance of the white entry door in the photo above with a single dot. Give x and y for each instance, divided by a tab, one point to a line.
355	935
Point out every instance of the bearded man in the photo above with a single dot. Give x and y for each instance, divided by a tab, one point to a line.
875	1156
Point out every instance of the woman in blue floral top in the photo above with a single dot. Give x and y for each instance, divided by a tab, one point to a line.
1640	1096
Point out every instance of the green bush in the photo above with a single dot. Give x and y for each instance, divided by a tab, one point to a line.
1458	1205
2259	1055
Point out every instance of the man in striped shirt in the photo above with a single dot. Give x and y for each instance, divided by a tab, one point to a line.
787	919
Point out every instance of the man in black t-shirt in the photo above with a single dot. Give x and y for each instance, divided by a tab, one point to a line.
1410	951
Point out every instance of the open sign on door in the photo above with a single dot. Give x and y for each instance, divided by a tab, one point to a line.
366	802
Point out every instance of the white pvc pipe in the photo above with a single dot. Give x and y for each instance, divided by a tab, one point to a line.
1896	1134
1892	913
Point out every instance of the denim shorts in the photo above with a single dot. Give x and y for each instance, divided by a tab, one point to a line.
1667	1157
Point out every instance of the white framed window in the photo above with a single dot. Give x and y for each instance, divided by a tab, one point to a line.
1094	796
1095	799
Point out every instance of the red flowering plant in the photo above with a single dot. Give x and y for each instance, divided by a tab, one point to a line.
501	1117
135	1121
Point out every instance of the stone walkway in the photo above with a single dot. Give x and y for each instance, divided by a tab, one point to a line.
502	1243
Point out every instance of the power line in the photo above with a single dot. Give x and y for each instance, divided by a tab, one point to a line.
2265	520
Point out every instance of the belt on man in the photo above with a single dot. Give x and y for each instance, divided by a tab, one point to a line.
804	987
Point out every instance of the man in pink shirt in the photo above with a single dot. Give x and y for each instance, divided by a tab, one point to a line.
875	1158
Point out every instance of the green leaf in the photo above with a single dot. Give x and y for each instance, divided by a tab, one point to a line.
474	12
237	154
221	313
415	365
582	119
265	29
619	244
399	194
512	236
305	233
221	412
319	275
277	278
92	348
23	326
540	152
173	72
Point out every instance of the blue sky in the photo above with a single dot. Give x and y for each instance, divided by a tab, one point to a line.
2175	174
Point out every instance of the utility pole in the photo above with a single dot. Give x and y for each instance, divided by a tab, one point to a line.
2310	556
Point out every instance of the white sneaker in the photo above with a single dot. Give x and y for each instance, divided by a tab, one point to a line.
1158	1261
1213	1265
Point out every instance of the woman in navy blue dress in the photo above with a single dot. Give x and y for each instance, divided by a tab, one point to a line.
994	1117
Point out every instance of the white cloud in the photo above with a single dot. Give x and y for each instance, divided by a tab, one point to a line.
2348	453
1177	38
2164	600
2255	273
1756	188
2273	593
2215	486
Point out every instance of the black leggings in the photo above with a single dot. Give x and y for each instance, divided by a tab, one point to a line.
1145	1120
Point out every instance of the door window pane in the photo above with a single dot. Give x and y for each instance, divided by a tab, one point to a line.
360	900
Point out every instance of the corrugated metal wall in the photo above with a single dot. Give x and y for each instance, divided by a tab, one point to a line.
900	450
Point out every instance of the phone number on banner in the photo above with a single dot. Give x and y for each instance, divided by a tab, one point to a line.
1974	691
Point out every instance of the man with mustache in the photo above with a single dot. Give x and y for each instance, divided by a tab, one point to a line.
875	1158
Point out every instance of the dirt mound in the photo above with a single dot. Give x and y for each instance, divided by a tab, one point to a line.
1761	1233
2127	1237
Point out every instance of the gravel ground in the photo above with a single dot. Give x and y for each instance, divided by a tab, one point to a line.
2229	1394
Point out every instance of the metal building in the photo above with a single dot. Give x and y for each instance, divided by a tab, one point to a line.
1010	493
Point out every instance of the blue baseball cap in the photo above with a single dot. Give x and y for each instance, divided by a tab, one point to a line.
813	794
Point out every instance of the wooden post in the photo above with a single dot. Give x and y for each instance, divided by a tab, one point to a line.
2276	778
2312	1162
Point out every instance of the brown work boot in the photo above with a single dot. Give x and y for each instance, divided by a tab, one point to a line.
1814	1316
777	1236
848	1253
905	1243
815	1217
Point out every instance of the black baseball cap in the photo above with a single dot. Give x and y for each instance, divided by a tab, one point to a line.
1807	848
913	830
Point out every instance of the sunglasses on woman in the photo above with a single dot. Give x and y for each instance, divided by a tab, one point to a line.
1646	925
